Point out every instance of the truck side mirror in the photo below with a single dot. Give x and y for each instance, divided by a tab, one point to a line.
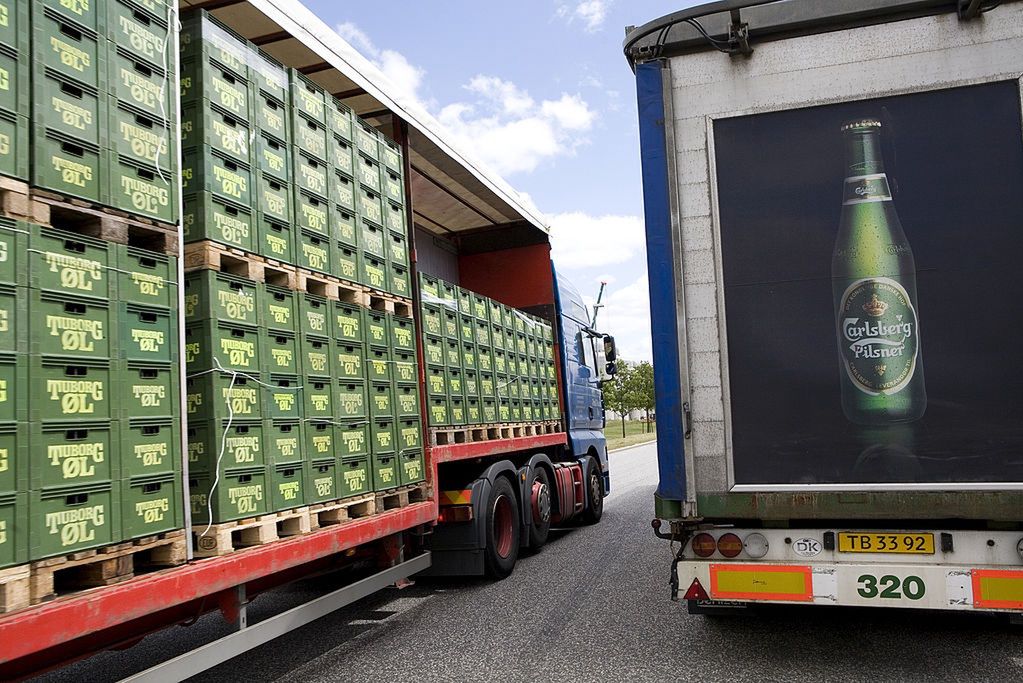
610	349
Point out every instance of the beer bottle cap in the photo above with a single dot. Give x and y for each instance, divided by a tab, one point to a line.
861	123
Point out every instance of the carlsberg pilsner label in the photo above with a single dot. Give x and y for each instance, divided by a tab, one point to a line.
879	335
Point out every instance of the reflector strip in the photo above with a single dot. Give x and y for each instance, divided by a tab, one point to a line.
997	588
761	582
456	497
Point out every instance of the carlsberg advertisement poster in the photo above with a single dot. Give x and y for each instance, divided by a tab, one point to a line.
871	260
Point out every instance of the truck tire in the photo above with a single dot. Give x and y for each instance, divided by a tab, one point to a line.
540	509
502	520
594	493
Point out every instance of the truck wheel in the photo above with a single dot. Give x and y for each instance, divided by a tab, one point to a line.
502	529
540	505
595	492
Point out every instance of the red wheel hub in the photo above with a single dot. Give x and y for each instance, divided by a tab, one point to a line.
541	500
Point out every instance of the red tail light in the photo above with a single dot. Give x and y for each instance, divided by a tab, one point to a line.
730	545
703	545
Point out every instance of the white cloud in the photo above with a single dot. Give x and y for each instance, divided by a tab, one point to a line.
626	316
590	13
582	241
403	75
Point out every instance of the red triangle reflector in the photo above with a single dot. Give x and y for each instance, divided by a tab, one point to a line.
696	592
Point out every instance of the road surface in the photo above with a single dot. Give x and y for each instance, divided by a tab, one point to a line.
592	606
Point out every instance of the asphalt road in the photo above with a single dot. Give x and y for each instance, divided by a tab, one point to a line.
592	606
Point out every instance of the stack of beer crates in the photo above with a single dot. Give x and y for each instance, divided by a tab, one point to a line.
486	363
15	106
103	120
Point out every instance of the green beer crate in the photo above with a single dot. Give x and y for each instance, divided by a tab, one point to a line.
385	472
369	205
409	433
14	145
68	519
512	387
280	352
456	406
390	155
274	199
15	29
354	476
347	264
527	410
71	326
381	401
468	355
349	324
210	81
14	530
271	117
143	29
146	277
497	338
352	439
433	319
148	390
234	443
308	98
287	486
309	139
80	12
352	401
377	328
269	76
239	494
317	357
399	282
467	328
500	362
282	440
204	124
374	271
480	307
340	155
433	350
429	285
312	213
371	237
454	382
471	384
203	35
464	301
484	358
406	400
66	47
14	456
488	386
149	447
273	157
318	398
481	331
449	324
367	139
507	319
350	360
60	105
342	190
403	333
449	294
344	226
142	139
278	308
282	400
204	170
143	190
392	186
140	85
315	315
150	505
311	175
504	413
314	252
209	217
495	311
276	240
473	411
213	344
73	453
70	167
438	411
61	388
339	118
404	367
412	466
213	295
397	248
395	218
488	409
318	439
520	323
368	173
452	353
219	395
321	481
378	364
516	410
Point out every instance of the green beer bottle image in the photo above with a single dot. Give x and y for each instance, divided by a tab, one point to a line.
874	284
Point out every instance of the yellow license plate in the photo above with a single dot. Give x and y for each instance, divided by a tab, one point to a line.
869	542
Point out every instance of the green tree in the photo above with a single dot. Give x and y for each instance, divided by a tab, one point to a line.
641	389
617	393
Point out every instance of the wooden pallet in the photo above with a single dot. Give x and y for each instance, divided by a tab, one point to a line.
226	537
332	288
341	511
16	202
105	566
86	218
15	590
379	301
402	497
448	436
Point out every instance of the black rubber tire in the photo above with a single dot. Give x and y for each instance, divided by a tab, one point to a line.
499	566
538	533
594	481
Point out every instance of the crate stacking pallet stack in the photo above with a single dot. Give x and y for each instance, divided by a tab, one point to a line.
294	399
486	363
89	402
103	125
277	167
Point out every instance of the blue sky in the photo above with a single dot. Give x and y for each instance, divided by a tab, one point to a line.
538	91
